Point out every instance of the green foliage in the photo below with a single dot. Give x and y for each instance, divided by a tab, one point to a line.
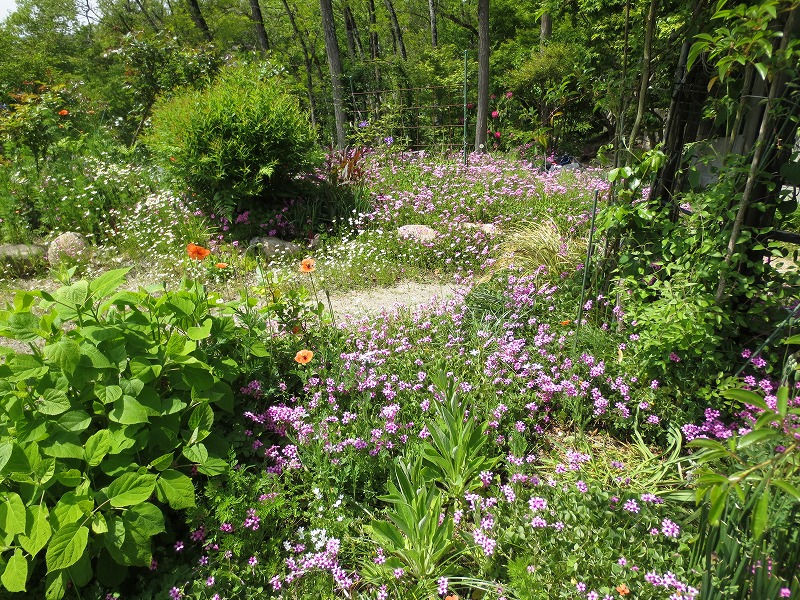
749	488
156	66
455	454
236	141
103	420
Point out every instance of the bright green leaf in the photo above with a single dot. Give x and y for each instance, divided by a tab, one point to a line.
13	516
176	489
66	546
66	354
16	572
97	446
131	488
54	402
40	530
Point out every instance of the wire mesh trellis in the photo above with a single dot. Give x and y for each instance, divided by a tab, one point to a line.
431	117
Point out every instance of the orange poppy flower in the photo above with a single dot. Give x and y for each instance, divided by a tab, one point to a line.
222	265
307	265
197	252
63	112
623	589
566	322
451	597
304	356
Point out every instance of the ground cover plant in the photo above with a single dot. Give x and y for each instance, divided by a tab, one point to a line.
232	436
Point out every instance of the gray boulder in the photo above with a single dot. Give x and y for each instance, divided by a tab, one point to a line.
421	233
67	246
20	259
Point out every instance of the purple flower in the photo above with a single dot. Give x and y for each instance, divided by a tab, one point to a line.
442	583
252	561
631	506
670	529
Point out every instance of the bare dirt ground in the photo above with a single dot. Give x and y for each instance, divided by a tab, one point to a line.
374	301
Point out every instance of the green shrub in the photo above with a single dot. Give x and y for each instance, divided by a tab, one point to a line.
236	141
103	423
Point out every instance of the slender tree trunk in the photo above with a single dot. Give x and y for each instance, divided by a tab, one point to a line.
354	48
397	33
199	21
374	51
645	81
546	29
335	67
307	60
258	23
150	20
483	76
434	30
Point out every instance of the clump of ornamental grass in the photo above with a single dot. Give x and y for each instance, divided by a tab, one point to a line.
530	246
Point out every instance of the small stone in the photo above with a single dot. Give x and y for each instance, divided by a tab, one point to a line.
421	233
487	228
67	246
273	247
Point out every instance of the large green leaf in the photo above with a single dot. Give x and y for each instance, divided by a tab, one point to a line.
176	489
146	518
128	411
760	514
16	572
130	488
97	446
107	282
200	333
13	516
746	397
63	445
23	326
6	448
66	546
66	354
74	421
56	585
40	530
107	393
92	357
53	402
143	369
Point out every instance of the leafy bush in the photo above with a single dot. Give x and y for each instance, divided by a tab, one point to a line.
233	142
102	426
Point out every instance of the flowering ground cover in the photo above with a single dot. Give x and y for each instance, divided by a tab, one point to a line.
487	445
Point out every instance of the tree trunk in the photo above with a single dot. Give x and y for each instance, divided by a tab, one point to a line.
307	60
258	22
150	20
396	31
354	48
483	76
374	51
335	67
199	21
645	80
434	30
546	29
